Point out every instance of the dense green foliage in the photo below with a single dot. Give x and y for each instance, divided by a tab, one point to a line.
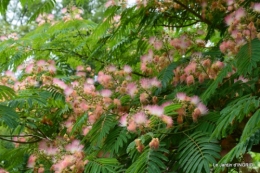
161	86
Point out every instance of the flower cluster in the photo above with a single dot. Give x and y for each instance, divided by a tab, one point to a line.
154	144
45	18
141	118
9	36
199	70
72	13
151	63
42	71
65	156
182	43
241	30
122	3
190	105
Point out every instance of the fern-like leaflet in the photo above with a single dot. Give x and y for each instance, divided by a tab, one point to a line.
197	152
150	161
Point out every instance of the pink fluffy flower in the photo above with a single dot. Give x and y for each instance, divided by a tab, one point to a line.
117	102
131	89
223	47
52	69
106	93
181	96
147	58
200	42
2	38
140	118
89	88
166	104
155	82
69	124
3	171
190	80
29	68
143	97
229	19
103	78
57	167
75	146
158	44
59	83
88	69
181	43
152	40
90	81
41	170
31	161
123	120
17	86
52	150
168	120
84	106
195	100
80	68
68	91
86	130
10	74
48	148
240	13
230	2
20	67
110	3
219	64
64	10
143	67
145	83
50	16
127	69
41	63
67	161
75	84
117	18
241	78
203	109
190	68
131	126
256	7
155	110
111	68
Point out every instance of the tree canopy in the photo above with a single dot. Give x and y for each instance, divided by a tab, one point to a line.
158	86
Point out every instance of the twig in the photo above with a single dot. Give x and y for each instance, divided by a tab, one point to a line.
21	142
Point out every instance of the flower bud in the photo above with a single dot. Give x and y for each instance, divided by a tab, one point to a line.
195	114
139	145
154	144
180	119
190	80
181	111
154	99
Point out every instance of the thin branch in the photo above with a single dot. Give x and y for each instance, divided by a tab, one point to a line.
21	142
180	26
195	13
19	136
39	132
139	74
